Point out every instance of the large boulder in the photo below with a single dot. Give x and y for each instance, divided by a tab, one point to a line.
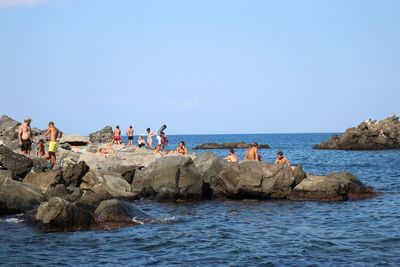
70	193
74	140
334	187
253	180
8	130
113	183
209	166
91	200
16	197
299	175
368	135
59	215
44	180
169	178
103	136
74	173
114	213
20	165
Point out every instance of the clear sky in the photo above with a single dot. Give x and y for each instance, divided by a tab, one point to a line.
200	66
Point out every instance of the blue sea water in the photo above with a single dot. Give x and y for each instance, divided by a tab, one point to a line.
240	233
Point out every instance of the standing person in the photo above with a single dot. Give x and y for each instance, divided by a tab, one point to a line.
25	136
129	133
232	156
162	137
117	135
252	153
53	132
150	135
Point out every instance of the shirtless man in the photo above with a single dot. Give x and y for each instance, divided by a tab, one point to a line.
150	135
129	133
52	132
25	136
280	159
232	156
252	153
117	135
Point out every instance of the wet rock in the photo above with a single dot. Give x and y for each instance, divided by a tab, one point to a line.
234	145
20	165
17	197
115	213
253	180
369	135
103	136
59	215
172	178
334	187
44	180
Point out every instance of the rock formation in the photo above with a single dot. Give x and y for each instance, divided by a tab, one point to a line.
235	145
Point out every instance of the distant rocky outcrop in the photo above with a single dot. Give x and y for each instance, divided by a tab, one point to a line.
233	145
369	135
74	140
105	135
8	129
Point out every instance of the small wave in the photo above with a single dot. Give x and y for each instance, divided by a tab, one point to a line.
138	221
11	220
172	219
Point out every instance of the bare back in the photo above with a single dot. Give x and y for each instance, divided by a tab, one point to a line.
251	154
117	132
129	132
53	132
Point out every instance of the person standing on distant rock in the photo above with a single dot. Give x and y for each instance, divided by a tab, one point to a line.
232	156
117	135
150	135
129	133
25	136
53	132
162	137
281	160
252	153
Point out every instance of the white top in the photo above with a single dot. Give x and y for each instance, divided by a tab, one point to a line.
158	139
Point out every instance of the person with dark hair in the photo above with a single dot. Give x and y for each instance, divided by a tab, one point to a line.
117	135
162	137
157	151
141	142
232	156
150	135
181	149
40	148
252	153
281	160
25	136
129	133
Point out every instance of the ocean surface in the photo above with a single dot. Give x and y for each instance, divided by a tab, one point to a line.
240	233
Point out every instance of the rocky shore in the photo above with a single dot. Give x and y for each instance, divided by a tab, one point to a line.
235	145
91	190
368	135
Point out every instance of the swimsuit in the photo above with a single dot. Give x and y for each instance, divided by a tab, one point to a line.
117	138
26	145
52	146
130	137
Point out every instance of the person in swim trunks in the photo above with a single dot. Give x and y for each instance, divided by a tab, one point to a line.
52	132
129	133
117	135
25	136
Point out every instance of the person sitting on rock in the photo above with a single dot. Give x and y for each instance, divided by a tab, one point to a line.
157	151
181	149
117	135
281	160
232	156
252	153
40	148
141	142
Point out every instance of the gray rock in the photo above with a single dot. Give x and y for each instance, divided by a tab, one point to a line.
9	130
114	213
334	187
253	180
103	136
17	197
91	200
169	178
366	136
74	173
235	145
59	215
44	180
74	140
70	194
299	175
20	165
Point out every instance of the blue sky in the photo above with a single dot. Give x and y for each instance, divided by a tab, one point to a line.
200	66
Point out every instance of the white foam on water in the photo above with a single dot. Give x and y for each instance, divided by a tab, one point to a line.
136	220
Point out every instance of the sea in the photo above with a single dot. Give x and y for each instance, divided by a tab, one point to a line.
240	232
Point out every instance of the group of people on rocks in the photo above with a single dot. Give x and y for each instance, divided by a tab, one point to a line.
25	140
252	154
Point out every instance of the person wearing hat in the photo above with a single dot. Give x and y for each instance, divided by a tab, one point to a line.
25	136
